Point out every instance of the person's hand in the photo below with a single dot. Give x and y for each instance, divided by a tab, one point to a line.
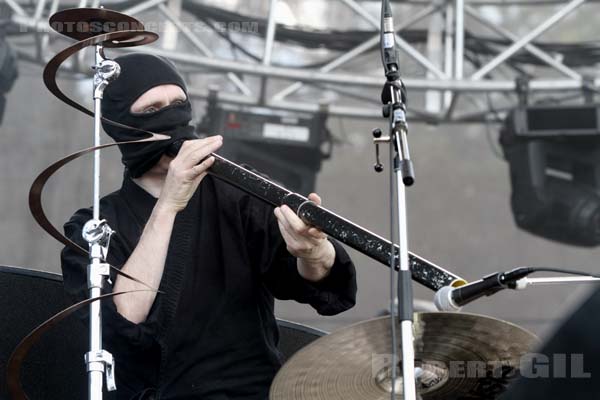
186	172
315	253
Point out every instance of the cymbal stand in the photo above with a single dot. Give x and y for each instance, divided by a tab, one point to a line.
97	233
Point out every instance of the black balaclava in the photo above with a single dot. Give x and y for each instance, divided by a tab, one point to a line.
139	73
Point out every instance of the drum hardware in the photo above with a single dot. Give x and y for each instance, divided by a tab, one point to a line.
457	355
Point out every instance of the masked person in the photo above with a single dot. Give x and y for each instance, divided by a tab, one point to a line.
218	256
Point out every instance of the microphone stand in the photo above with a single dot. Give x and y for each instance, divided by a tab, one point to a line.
554	280
97	233
393	97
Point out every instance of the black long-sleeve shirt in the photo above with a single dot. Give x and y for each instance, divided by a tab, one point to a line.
212	335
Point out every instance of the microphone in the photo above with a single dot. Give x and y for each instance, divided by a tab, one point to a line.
389	56
452	299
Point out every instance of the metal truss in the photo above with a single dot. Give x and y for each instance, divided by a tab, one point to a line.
445	86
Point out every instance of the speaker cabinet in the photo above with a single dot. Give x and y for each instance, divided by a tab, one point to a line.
55	368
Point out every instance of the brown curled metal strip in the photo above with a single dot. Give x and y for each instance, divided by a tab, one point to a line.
37	188
54	64
15	362
51	69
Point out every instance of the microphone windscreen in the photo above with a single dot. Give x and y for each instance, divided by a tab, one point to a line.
443	300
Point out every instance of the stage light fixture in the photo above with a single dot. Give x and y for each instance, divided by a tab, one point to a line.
288	147
554	159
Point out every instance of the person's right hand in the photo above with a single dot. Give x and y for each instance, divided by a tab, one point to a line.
185	174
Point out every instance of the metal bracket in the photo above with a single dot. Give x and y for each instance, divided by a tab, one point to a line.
377	140
98	361
101	269
106	71
96	272
97	233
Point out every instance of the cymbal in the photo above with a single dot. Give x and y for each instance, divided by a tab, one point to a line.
458	356
84	23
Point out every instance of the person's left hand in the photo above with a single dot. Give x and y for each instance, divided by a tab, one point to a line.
315	253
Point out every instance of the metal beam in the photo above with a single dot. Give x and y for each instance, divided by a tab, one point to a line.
449	51
362	80
356	51
501	2
38	35
435	52
459	41
404	45
143	6
536	51
170	34
268	49
459	52
195	40
16	7
270	36
337	78
453	83
39	9
333	110
46	37
544	26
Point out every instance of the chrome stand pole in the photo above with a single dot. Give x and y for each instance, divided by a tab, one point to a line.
97	233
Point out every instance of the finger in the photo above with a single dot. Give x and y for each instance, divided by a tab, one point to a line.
316	233
287	237
192	147
281	219
293	220
200	168
201	152
284	228
295	245
199	144
284	225
298	229
311	240
315	198
198	179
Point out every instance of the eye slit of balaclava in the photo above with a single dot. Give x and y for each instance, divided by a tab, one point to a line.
179	101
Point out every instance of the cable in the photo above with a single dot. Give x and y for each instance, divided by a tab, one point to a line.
564	271
493	142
